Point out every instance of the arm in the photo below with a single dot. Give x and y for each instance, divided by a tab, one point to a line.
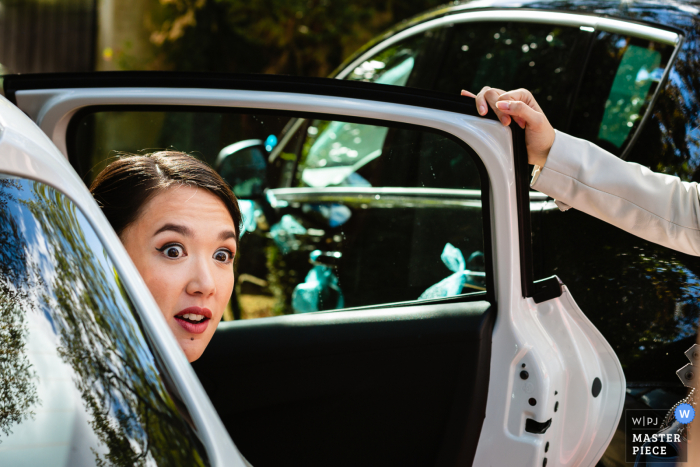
656	207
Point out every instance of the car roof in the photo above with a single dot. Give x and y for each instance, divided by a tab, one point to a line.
676	13
680	16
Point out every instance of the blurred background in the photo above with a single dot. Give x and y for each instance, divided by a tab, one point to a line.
297	37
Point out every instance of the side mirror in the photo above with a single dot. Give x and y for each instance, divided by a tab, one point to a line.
244	166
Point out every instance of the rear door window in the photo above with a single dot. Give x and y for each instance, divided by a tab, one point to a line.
79	384
593	84
359	212
543	58
622	76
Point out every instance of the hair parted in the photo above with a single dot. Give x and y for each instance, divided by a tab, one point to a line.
126	185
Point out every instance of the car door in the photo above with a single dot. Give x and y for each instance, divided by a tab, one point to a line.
90	375
380	357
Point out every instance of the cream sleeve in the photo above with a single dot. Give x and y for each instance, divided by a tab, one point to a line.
657	207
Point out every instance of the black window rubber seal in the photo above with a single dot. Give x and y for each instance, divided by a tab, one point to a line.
522	187
248	82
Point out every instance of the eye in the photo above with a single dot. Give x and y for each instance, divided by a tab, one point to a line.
172	250
223	255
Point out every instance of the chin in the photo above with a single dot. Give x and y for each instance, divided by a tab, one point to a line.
192	349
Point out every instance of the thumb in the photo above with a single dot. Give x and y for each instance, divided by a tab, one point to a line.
522	113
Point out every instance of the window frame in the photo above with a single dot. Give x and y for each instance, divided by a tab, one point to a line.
440	20
305	117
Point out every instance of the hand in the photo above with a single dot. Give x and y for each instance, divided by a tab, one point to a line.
523	108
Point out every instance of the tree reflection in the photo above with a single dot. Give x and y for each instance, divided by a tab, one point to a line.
76	287
17	385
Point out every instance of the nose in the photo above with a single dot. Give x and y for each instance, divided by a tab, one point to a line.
201	281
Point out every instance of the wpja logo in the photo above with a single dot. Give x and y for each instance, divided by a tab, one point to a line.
646	440
685	413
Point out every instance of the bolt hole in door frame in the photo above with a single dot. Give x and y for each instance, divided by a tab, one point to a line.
560	346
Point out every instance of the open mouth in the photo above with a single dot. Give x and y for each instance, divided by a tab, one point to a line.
194	319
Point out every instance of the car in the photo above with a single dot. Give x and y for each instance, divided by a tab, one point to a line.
509	373
366	231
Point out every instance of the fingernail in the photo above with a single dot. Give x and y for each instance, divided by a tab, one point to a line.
503	105
482	110
504	120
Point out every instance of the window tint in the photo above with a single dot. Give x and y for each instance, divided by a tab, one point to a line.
544	58
373	220
337	153
357	213
79	384
392	65
96	138
622	76
592	84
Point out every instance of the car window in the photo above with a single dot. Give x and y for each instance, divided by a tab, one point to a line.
603	102
79	384
358	213
97	138
540	57
392	65
619	83
382	216
337	153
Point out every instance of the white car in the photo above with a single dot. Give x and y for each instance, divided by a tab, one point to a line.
509	373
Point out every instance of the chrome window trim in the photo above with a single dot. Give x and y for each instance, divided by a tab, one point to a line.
542	17
381	197
305	192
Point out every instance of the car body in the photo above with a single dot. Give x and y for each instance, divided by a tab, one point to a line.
433	380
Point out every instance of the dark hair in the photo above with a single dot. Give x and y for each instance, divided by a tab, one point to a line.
126	185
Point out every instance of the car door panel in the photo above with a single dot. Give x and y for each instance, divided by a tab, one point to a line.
531	323
404	386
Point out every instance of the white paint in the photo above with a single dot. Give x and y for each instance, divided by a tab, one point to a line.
562	350
26	152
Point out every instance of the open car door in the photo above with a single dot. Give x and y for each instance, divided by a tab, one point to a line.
388	246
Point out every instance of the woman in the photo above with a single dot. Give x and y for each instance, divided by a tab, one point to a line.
179	221
657	207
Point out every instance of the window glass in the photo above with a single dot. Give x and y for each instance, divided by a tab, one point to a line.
608	97
544	58
337	153
96	138
381	218
621	78
392	65
356	213
79	383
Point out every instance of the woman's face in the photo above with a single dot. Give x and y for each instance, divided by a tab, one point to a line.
183	245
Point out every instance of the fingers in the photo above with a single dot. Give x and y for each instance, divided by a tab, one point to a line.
522	95
488	96
522	111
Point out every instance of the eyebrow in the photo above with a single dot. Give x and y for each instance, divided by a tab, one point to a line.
181	229
226	234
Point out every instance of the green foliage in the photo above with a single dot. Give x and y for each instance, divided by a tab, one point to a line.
300	37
